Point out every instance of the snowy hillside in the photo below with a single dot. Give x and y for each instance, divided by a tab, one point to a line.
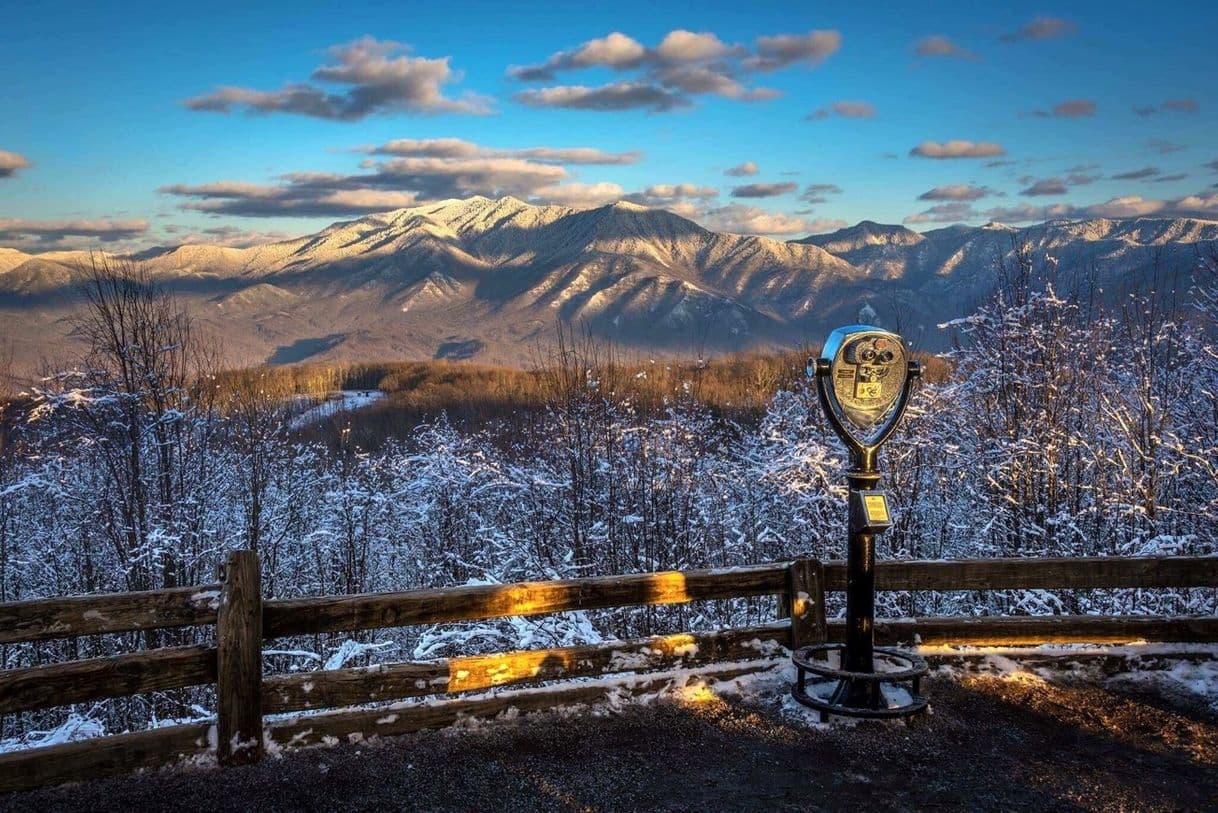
496	275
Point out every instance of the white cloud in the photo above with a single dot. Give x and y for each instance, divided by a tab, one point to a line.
579	195
687	46
684	65
368	200
1045	186
937	45
1137	174
614	96
459	148
377	82
1203	205
956	192
764	190
738	219
1133	206
50	234
742	170
10	162
685	199
957	148
1069	109
849	110
1041	28
1027	213
823	224
231	236
443	177
666	191
684	208
407	172
616	51
786	49
943	213
1181	105
818	192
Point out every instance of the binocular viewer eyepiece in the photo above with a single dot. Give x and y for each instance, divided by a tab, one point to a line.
863	377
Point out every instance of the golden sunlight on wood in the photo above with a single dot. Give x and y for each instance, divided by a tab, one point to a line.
802	606
668	588
522	599
677	646
487	671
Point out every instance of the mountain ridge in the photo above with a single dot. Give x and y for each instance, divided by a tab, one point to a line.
495	275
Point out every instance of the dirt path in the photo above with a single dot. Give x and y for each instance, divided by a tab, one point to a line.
991	743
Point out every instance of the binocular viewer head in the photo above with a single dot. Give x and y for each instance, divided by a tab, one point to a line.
863	378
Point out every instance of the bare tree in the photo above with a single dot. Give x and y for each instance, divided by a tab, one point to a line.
257	425
142	402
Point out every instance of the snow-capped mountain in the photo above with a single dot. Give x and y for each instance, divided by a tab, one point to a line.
490	278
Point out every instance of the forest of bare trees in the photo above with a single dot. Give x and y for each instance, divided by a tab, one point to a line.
1065	428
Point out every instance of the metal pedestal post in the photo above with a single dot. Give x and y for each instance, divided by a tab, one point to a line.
858	685
860	606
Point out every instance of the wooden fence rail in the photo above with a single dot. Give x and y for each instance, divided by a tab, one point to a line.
42	619
243	621
376	610
61	684
1083	572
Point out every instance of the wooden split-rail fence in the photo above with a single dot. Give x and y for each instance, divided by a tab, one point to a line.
243	620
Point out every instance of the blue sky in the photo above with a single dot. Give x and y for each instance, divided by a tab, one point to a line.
121	120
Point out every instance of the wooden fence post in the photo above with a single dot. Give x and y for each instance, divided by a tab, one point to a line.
806	602
239	661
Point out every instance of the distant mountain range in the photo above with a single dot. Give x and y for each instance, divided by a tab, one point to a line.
490	279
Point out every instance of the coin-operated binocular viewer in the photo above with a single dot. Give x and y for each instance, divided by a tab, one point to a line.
863	378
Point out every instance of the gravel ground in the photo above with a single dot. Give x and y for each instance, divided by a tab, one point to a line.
991	743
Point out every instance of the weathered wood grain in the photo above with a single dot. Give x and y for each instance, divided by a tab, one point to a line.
375	610
42	619
239	662
345	687
806	597
1044	574
96	758
61	684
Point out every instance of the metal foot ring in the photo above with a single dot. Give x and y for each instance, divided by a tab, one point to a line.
914	669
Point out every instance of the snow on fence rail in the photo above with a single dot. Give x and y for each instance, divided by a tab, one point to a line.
244	620
42	619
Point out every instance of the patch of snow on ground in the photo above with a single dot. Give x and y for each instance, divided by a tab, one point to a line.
1174	668
76	727
1197	679
336	402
